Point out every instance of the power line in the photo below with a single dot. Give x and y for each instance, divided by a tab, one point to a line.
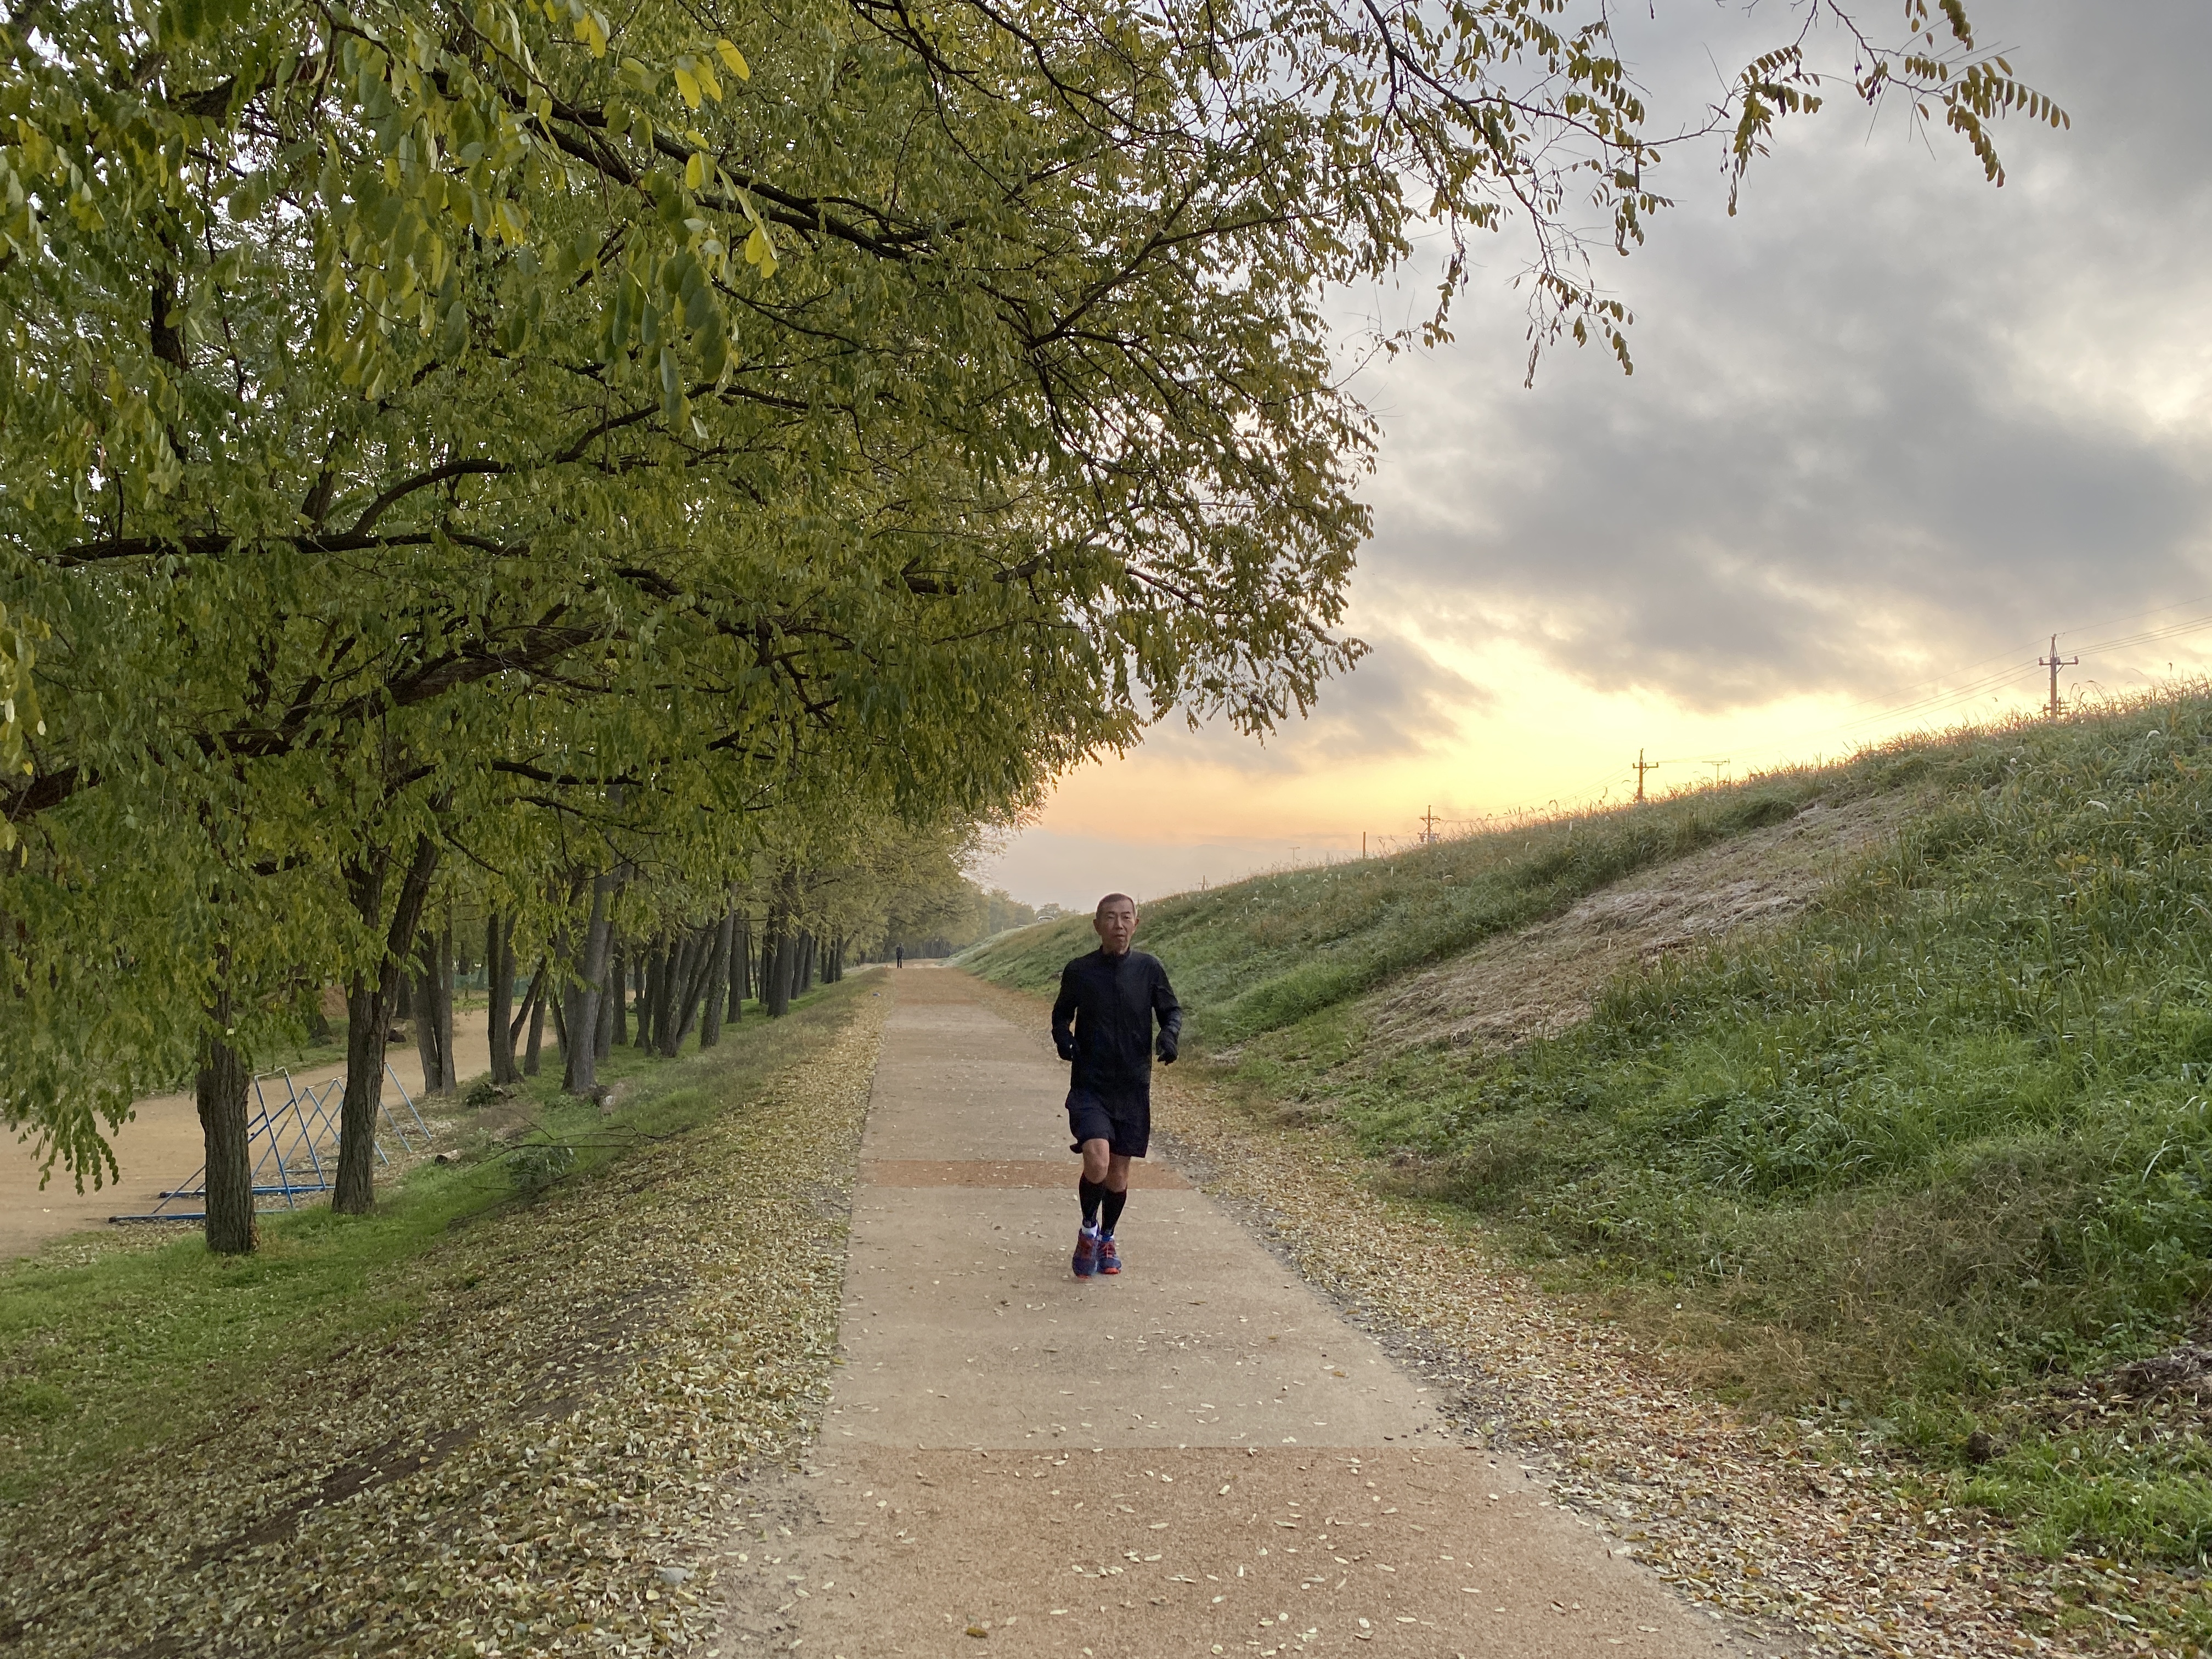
2020	650
1957	696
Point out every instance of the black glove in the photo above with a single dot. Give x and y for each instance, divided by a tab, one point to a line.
1165	1049
1066	1047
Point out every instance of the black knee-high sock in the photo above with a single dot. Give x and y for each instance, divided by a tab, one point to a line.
1091	1192
1113	1210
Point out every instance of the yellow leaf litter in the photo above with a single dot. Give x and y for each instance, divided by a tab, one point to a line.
550	1460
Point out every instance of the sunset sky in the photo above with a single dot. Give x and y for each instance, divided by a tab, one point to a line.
1889	428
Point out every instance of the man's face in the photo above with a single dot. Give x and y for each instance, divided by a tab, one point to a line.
1116	924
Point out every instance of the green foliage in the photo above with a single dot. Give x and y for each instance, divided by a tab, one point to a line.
554	443
535	1165
482	1093
19	705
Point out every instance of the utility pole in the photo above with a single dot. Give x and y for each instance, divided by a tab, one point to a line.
1428	827
2054	662
1717	766
1642	766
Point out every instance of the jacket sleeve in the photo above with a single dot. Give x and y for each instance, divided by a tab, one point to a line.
1169	1009
1063	1015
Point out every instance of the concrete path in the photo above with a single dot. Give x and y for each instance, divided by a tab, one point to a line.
1199	1457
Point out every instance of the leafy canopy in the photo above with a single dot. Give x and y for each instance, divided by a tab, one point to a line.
520	428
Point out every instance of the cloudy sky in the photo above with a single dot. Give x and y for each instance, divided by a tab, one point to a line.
1890	429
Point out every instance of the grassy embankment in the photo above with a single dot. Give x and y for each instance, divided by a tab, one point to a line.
1932	1157
112	1341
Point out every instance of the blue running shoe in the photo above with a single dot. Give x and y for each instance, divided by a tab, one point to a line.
1109	1259
1086	1253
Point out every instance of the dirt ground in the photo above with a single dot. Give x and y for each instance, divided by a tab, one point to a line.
159	1147
1543	979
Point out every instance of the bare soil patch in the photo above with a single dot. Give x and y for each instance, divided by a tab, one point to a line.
1542	979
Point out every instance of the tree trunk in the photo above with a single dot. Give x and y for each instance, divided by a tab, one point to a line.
426	1027
807	960
698	976
649	1010
781	960
610	999
449	1077
369	998
718	980
560	1032
581	1002
220	1087
617	1021
668	1006
433	1011
741	964
500	1021
682	961
537	1006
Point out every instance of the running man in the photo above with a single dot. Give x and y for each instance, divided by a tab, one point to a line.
1101	1023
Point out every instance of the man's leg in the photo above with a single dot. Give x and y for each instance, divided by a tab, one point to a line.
1090	1188
1117	1192
1095	1188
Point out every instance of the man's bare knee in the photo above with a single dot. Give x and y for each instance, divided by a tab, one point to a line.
1117	1173
1096	1159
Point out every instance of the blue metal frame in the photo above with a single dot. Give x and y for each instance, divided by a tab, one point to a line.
292	1137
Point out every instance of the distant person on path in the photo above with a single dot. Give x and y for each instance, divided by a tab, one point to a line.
899	950
1102	1023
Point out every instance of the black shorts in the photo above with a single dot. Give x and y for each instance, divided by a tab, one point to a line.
1122	1120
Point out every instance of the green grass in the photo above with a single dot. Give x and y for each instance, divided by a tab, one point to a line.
1926	1160
114	1344
1271	952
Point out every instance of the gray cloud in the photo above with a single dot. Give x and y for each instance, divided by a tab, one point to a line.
1398	700
1887	419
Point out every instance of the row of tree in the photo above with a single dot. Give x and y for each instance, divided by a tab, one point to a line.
668	981
472	459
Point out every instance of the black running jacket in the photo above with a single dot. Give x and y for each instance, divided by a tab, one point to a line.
1102	1020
